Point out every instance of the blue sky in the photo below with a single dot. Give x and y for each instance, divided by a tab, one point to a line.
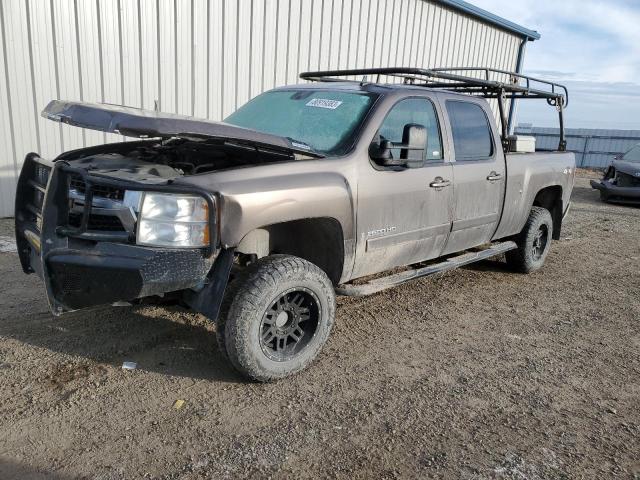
593	47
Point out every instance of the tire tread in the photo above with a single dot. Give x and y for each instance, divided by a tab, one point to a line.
520	259
246	299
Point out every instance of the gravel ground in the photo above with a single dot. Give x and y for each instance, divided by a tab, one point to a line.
480	373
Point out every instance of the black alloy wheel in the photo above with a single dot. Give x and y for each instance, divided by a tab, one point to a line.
289	324
540	242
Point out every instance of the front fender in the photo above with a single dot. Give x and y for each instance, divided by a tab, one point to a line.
252	198
297	197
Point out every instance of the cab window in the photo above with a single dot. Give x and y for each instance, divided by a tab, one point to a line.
417	111
470	130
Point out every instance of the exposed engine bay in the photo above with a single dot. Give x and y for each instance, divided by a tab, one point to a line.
152	162
158	160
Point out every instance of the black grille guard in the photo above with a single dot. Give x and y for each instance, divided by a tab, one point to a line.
63	169
48	245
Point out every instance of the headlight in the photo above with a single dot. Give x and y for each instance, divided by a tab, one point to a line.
172	220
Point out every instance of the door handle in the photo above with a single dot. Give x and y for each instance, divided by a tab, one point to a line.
439	182
493	176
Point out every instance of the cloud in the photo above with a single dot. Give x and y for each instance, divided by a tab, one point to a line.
556	75
591	46
603	105
596	40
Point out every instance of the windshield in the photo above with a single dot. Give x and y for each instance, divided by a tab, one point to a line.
632	155
324	120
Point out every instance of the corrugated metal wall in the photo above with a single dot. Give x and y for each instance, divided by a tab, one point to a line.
594	148
204	58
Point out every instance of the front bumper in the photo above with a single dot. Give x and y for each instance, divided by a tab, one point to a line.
106	273
614	193
82	268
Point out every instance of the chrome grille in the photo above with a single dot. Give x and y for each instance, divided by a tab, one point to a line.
112	193
108	212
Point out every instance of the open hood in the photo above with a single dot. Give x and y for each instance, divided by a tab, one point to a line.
136	122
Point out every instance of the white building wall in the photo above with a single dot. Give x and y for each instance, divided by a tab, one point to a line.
204	58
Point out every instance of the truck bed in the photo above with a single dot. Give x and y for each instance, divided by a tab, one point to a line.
527	175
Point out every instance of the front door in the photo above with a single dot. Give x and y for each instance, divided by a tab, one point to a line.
404	214
478	173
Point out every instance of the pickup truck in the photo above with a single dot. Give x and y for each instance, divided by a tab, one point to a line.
259	221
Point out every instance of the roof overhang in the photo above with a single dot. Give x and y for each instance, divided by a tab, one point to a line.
489	17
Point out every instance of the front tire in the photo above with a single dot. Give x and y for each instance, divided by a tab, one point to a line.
279	314
533	242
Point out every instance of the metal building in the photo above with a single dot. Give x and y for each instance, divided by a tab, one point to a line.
594	148
206	57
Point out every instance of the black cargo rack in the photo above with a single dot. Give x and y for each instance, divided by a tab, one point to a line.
469	80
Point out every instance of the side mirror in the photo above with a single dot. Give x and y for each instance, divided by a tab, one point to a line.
412	150
414	144
380	152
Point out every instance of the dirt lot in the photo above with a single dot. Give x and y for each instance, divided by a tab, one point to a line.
478	374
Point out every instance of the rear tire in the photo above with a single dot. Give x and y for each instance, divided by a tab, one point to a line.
276	318
533	242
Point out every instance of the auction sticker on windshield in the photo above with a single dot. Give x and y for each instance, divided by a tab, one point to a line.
324	103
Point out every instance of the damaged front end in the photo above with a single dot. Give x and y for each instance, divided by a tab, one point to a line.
620	183
119	222
84	233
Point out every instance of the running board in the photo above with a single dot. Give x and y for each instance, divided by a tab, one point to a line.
383	283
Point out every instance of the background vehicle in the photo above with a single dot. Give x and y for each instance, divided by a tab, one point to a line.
621	181
299	192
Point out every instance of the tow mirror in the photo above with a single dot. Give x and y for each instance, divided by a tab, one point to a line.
380	152
414	144
411	152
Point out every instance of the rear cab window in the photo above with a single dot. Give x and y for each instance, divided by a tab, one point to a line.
471	131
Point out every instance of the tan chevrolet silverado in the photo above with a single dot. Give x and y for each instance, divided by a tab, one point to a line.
258	221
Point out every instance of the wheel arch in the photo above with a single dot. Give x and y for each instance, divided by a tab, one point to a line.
319	240
550	197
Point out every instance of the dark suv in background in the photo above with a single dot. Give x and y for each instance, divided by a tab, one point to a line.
621	181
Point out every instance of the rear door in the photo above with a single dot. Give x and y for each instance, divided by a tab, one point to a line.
403	214
479	173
